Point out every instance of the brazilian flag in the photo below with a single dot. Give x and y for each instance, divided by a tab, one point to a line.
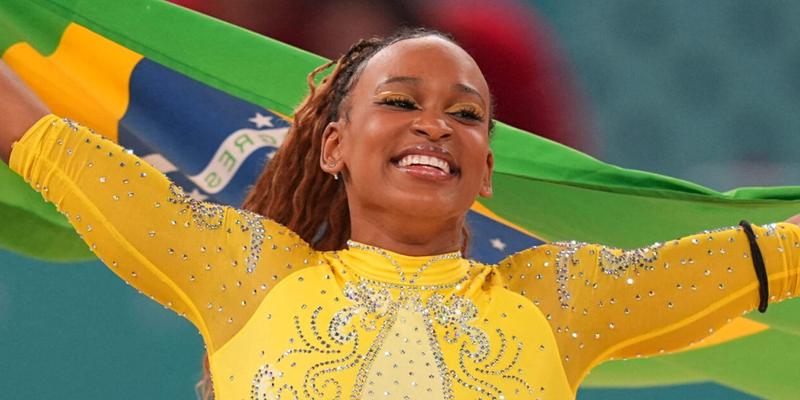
208	103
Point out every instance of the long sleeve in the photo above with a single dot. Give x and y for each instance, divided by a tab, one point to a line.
209	263
604	303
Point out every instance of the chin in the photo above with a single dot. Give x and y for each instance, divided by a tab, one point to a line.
428	205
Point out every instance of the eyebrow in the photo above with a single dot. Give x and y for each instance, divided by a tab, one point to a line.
469	89
401	79
415	81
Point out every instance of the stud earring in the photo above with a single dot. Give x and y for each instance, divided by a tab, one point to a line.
332	164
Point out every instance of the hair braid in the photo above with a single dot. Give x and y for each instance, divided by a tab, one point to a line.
293	190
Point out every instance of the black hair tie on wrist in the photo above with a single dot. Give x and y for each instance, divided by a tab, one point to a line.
758	263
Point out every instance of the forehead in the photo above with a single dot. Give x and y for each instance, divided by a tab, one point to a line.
430	58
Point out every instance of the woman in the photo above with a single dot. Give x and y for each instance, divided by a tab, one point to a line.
354	286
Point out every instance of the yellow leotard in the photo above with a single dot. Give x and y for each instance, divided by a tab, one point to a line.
281	320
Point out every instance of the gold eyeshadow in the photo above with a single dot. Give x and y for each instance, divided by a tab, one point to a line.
396	96
469	108
464	109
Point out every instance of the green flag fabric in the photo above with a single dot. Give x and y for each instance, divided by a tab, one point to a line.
98	61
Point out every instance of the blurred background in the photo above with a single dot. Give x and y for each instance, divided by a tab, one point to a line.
704	91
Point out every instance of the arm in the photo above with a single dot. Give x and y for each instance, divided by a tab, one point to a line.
19	109
606	303
209	263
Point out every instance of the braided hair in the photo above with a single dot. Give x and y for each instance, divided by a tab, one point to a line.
293	190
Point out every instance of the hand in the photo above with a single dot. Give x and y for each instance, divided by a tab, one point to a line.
794	220
20	108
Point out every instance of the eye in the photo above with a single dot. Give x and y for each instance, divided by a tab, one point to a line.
399	100
467	111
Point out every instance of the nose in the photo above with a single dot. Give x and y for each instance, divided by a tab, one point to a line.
434	126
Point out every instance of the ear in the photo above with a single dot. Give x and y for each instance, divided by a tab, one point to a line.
330	158
486	183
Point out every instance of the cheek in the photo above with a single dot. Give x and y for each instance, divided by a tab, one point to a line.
366	146
375	135
476	148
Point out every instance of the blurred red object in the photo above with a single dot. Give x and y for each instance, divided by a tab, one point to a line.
533	85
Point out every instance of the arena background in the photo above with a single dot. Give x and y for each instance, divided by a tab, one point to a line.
703	91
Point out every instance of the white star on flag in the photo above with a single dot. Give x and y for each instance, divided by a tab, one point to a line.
498	244
197	195
261	121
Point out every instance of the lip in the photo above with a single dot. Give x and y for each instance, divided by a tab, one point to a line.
425	172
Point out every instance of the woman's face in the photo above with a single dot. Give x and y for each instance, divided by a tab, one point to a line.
413	136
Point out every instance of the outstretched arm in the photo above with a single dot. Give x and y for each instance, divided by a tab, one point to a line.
606	303
20	108
209	263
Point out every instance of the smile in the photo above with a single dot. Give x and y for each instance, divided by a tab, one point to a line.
425	161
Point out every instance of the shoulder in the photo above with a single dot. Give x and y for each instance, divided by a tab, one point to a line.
258	235
272	239
546	266
544	254
533	262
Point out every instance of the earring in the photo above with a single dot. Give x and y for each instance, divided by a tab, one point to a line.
332	164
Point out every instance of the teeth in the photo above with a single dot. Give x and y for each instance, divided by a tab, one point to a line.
425	160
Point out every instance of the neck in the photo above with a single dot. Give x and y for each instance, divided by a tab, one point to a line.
409	236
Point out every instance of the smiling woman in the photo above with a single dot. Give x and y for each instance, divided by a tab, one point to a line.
344	276
402	120
373	121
